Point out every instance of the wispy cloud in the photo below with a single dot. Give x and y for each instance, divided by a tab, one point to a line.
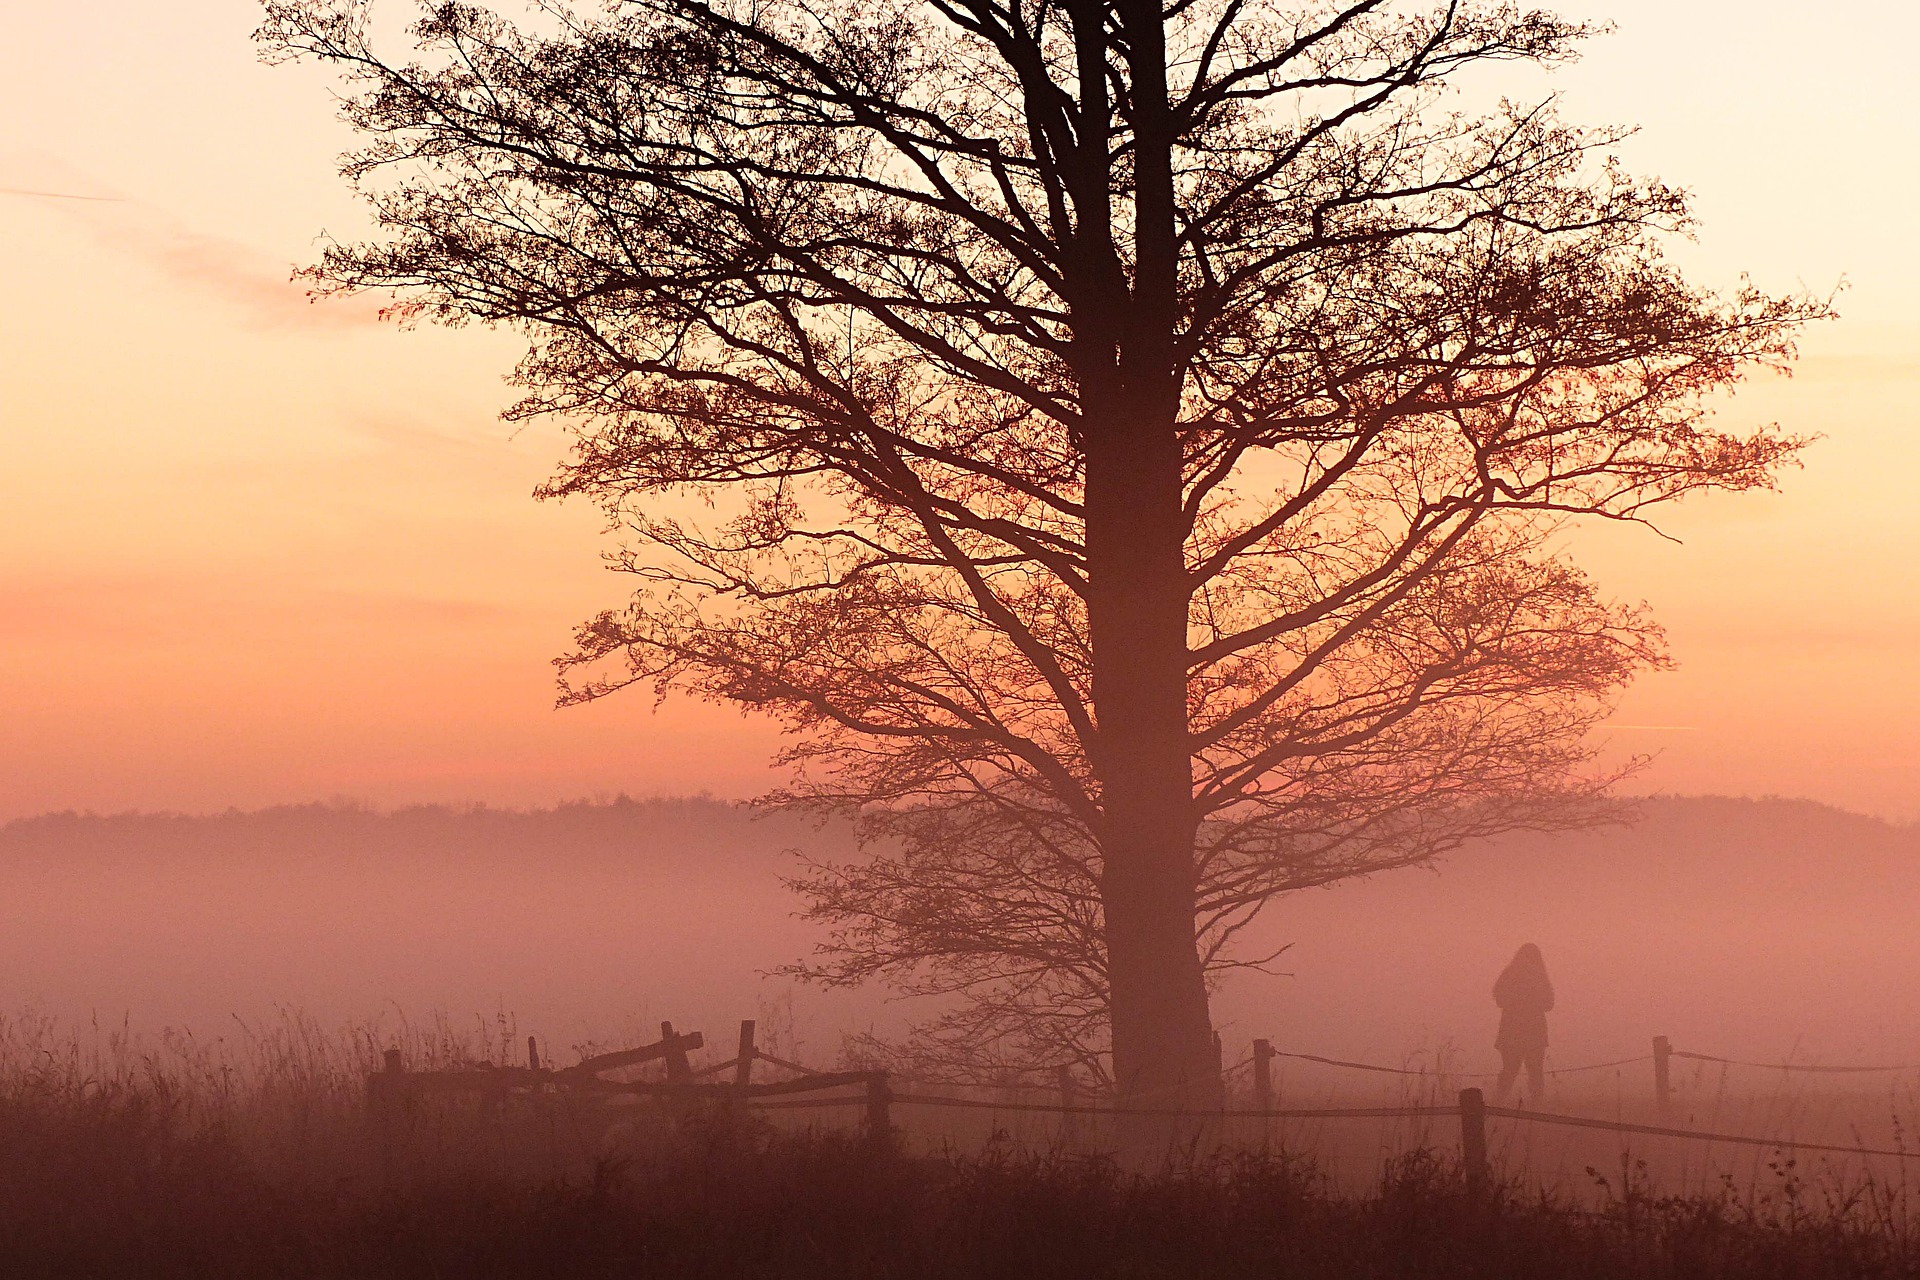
237	273
59	195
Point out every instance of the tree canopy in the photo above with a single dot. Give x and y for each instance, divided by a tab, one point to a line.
1128	444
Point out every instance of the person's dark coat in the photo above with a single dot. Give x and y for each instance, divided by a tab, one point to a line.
1524	995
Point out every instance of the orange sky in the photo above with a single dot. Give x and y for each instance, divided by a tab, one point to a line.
254	551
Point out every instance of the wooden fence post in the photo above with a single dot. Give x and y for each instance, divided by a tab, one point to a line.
1473	1138
678	1068
1662	1094
1263	1075
679	1071
385	1106
879	1113
381	1085
1069	1099
384	1086
743	1065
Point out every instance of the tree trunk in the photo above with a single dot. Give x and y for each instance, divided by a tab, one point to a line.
1163	1054
1162	1033
1137	596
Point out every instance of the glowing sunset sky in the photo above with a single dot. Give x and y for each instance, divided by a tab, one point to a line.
254	551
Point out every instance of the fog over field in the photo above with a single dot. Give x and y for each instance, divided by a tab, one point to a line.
1130	461
1752	928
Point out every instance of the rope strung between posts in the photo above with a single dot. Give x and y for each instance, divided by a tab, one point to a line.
1597	1066
1355	1113
1356	1066
1237	1067
1047	1108
1621	1126
1244	1063
1296	1113
1035	1086
1788	1066
1494	1075
808	1104
1457	1075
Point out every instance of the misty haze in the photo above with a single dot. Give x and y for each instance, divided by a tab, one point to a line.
951	638
1752	928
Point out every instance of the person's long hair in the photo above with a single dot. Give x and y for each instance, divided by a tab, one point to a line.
1524	981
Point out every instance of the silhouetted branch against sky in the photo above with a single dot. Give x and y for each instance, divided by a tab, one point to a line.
1124	444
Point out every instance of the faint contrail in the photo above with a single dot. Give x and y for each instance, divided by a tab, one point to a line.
59	195
235	270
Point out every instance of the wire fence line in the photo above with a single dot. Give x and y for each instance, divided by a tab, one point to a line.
1463	1113
1031	1084
1472	1111
1093	1109
810	1104
1602	1066
1592	1066
393	1091
1350	1065
1069	1109
1794	1066
1660	1131
1456	1075
1275	1113
1356	1066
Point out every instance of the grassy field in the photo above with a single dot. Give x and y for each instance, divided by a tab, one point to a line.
251	1156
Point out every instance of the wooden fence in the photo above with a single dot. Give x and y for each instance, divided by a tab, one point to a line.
394	1094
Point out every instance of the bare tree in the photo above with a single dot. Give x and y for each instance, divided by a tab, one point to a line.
1124	441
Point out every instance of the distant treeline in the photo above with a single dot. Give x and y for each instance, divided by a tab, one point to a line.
1733	845
1687	836
581	831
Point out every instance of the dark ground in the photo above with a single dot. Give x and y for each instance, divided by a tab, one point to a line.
126	1194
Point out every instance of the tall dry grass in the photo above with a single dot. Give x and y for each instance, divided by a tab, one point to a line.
249	1154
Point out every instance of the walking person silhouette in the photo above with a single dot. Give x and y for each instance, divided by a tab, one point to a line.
1524	995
